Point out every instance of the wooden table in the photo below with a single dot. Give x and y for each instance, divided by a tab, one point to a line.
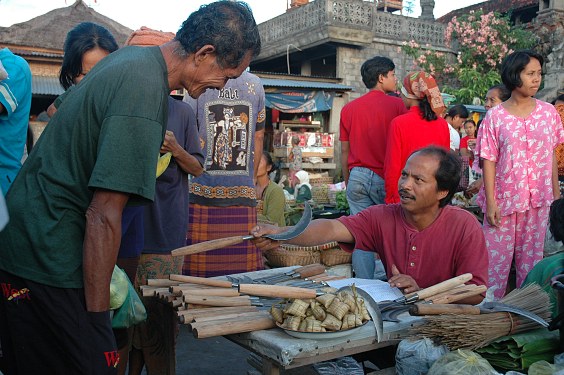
279	351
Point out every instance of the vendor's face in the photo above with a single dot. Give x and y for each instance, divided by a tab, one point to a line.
209	75
531	77
262	167
390	81
417	185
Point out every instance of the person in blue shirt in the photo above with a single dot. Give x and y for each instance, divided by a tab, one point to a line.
15	103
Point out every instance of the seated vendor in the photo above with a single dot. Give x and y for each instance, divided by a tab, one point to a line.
422	240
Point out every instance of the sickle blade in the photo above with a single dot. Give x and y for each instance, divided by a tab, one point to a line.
296	229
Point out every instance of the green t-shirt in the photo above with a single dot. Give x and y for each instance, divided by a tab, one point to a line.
106	134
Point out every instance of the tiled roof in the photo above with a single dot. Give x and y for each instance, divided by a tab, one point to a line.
274	82
41	85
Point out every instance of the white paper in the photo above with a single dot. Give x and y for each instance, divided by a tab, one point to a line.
379	290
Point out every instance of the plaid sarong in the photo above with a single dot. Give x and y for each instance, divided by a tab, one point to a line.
209	223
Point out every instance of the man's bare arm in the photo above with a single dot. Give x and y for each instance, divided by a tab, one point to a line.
101	244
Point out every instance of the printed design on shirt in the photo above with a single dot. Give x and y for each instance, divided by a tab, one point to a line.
251	88
261	116
112	358
229	135
226	192
12	294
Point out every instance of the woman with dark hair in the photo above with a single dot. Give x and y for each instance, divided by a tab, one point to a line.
455	117
518	138
86	44
422	126
270	195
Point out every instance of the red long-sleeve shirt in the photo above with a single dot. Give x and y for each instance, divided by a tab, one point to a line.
408	133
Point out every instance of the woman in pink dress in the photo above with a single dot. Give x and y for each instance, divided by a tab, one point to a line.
520	176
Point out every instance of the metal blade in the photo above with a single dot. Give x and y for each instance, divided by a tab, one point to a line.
296	229
490	307
373	310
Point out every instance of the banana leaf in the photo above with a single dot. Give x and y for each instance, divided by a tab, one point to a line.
519	351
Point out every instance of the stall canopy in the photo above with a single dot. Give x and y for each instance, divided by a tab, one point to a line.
292	96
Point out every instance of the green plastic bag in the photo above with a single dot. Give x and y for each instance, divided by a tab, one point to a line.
131	312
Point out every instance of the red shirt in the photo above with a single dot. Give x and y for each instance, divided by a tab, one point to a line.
364	124
464	144
408	133
452	245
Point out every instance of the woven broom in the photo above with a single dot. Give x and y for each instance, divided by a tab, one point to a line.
476	331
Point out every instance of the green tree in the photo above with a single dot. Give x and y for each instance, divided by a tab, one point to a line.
481	40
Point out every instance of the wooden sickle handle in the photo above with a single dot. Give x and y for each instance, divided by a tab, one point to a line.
441	287
312	270
208	245
432	309
202	281
218	301
277	291
461	294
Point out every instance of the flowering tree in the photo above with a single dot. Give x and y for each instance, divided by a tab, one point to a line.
482	40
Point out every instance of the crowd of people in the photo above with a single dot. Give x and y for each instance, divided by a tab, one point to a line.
87	198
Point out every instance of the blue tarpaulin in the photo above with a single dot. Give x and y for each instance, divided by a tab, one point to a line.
297	101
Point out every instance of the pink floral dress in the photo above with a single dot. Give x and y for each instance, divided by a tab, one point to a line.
522	150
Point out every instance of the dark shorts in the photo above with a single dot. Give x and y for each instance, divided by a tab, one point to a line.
47	330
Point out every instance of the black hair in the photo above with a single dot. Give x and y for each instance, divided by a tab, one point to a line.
556	219
229	26
558	98
458	110
81	39
514	64
504	92
449	172
373	68
426	111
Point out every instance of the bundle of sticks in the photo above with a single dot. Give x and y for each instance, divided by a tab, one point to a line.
209	310
458	331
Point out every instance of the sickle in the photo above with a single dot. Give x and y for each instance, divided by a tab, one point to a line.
201	247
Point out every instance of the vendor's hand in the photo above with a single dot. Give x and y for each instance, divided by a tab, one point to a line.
473	188
404	282
492	214
170	143
264	243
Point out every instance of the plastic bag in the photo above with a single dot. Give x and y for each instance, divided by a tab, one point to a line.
415	357
339	366
462	362
131	312
118	288
545	368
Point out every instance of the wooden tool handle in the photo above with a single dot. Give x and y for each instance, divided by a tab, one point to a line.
208	245
433	309
219	292
311	270
231	326
218	301
202	281
461	294
441	287
277	291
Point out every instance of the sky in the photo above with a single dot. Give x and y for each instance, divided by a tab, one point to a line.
166	15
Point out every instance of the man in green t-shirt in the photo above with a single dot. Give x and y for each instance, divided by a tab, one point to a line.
98	153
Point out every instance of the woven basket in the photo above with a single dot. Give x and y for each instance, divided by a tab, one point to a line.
320	194
327	180
290	255
333	255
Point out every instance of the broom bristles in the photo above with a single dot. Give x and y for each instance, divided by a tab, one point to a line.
476	331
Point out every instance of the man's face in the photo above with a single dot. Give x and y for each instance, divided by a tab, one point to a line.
389	81
209	75
417	185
